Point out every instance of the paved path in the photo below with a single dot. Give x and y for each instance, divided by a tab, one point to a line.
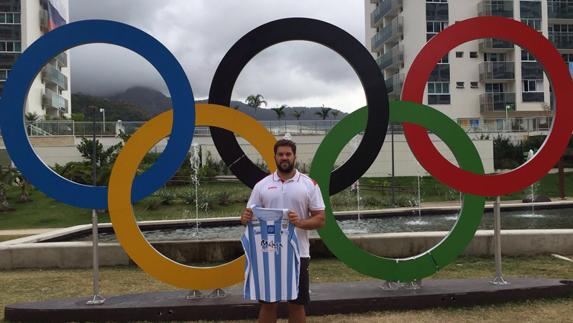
25	232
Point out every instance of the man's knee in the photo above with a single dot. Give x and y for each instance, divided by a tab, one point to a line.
269	306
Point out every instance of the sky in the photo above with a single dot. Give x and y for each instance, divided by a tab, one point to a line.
199	33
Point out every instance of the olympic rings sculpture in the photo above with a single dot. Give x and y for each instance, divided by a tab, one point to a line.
125	188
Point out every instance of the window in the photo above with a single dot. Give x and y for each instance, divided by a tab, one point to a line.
494	57
532	85
526	56
533	23
493	87
459	54
473	55
474	85
4	74
8	46
438	93
434	27
10	18
459	85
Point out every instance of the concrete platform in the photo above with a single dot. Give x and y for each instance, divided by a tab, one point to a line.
327	298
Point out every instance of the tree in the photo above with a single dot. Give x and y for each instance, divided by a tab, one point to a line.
6	177
31	118
323	113
298	114
104	157
334	113
255	101
280	111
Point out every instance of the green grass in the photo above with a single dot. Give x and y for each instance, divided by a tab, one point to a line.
36	285
45	212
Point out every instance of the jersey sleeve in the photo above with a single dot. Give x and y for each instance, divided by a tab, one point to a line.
316	201
255	197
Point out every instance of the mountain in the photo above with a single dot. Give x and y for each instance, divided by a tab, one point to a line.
142	102
82	108
152	101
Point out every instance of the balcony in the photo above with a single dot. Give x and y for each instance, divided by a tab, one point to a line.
497	72
561	40
61	59
531	71
394	86
492	45
530	9
496	102
392	59
391	33
532	96
52	100
51	75
386	8
495	8
560	9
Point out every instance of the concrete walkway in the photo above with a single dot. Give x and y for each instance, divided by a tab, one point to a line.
26	232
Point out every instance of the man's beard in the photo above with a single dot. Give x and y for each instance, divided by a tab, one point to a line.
289	167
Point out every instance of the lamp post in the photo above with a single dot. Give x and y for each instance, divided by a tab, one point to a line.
102	110
507	107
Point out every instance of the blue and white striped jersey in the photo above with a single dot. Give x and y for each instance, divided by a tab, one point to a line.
273	260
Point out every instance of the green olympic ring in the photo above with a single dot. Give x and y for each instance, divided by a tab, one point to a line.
448	249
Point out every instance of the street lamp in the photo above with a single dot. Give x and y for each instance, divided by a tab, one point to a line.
507	107
102	110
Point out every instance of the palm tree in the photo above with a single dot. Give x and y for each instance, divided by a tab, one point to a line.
255	101
323	113
334	113
298	114
280	111
31	118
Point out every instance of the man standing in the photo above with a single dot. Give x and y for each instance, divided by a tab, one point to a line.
288	189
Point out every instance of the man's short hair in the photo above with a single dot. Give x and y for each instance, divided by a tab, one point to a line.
285	143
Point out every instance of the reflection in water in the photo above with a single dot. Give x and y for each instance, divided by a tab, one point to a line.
542	219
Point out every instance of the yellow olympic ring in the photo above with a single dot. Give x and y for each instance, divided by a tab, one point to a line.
121	210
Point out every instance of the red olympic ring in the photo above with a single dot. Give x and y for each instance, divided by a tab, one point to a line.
550	152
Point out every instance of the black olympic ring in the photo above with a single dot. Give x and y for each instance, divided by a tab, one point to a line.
327	35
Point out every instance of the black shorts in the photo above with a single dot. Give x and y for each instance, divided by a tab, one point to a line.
303	285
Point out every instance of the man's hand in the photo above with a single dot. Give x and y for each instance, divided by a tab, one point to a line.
294	219
246	216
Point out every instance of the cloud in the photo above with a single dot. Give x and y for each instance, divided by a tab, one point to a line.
199	33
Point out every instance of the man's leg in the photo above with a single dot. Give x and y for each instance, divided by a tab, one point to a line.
296	310
296	313
268	312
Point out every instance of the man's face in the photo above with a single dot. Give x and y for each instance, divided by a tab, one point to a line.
285	159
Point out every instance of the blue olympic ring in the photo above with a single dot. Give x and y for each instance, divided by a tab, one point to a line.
81	33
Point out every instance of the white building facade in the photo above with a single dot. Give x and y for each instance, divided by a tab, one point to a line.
487	84
21	23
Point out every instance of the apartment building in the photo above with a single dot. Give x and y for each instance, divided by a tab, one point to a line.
486	84
21	23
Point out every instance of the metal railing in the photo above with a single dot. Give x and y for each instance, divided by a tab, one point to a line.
389	33
495	45
112	129
385	8
51	74
497	71
561	40
496	102
392	58
495	8
560	9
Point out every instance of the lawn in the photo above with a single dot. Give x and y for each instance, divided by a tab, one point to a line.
218	199
35	285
